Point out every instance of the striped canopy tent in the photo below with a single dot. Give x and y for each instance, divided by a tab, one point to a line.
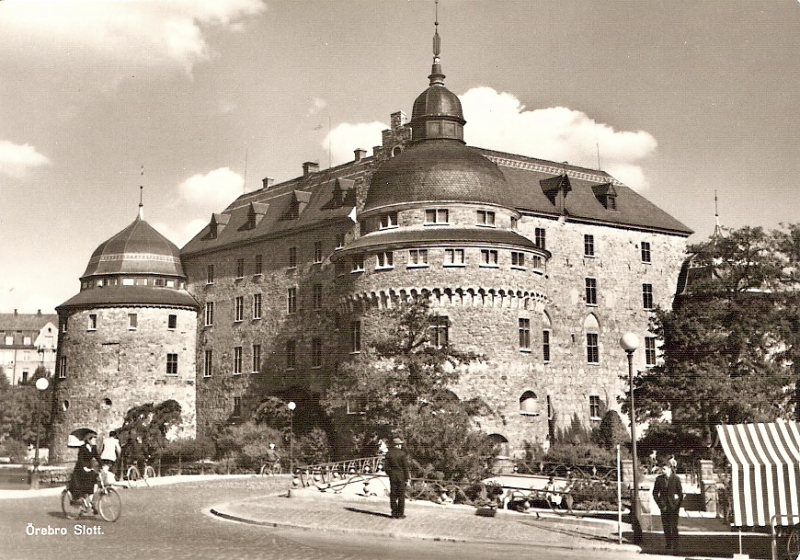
765	472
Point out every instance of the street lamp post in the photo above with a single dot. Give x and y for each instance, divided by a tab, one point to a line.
291	406
630	342
41	385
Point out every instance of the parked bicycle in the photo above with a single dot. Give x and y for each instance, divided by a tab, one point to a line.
271	469
105	501
133	475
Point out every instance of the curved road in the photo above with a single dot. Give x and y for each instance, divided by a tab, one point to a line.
172	522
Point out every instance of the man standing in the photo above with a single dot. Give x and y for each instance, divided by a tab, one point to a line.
668	494
396	465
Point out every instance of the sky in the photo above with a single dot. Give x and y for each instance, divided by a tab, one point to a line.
198	101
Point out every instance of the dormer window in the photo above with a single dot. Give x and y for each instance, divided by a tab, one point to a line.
388	220
556	189
437	216
606	194
486	218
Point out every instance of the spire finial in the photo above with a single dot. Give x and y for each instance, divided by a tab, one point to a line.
436	77
141	195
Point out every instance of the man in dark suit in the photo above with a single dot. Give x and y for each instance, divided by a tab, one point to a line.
668	494
396	465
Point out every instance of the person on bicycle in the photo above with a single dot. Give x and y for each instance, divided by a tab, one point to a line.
84	477
109	455
272	459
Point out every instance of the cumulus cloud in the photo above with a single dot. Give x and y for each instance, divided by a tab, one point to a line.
16	160
500	121
121	36
212	191
181	233
346	138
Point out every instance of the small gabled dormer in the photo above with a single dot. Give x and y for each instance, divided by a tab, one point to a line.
556	189
344	194
298	203
255	213
216	225
606	194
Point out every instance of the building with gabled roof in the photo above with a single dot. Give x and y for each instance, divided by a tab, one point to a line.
28	341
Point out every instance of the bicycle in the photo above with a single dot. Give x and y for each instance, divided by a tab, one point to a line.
271	469
133	475
105	501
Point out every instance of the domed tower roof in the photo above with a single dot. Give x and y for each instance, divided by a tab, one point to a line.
137	249
438	166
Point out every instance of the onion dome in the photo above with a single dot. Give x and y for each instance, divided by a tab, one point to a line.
137	249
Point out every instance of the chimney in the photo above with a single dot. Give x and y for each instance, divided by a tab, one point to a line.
15	313
267	182
39	312
310	167
360	153
398	119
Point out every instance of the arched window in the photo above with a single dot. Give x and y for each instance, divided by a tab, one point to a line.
592	329
529	404
500	440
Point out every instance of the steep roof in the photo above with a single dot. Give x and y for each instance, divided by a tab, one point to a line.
26	321
129	296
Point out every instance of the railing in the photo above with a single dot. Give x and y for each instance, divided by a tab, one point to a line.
336	476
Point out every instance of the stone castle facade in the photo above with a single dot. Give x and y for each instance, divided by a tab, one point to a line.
539	267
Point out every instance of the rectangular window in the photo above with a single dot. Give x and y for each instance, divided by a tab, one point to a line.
388	220
488	257
291	300
209	313
292	257
291	354
538	264
93	322
385	260
209	274
437	216
316	352
316	297
646	252
439	332
594	407
591	291
357	263
172	322
539	238
650	350
64	324
237	360
318	251
517	259
259	265
417	257
454	257
257	306
238	309
546	346
239	268
486	218
525	334
172	364
133	321
647	296
339	240
588	245
355	336
237	407
158	282
62	367
358	406
592	348
208	363
256	358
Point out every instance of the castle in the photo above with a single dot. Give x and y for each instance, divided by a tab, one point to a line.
539	267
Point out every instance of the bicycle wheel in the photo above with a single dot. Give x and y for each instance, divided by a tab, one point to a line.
264	470
109	504
276	469
133	476
793	544
149	472
70	509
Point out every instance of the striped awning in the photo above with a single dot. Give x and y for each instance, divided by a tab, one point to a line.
765	471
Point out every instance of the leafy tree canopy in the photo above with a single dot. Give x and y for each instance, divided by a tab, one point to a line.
19	406
401	383
144	431
731	343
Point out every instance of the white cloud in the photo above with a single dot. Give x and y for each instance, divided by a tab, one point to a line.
212	191
120	36
16	160
499	121
346	138
181	234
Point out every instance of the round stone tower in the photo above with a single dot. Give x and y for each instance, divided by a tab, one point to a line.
127	338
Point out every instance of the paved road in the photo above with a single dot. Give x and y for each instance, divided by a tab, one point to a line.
173	522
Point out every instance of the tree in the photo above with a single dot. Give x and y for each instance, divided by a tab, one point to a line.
400	382
19	406
730	339
144	430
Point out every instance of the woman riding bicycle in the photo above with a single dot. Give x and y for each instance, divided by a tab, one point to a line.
84	475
